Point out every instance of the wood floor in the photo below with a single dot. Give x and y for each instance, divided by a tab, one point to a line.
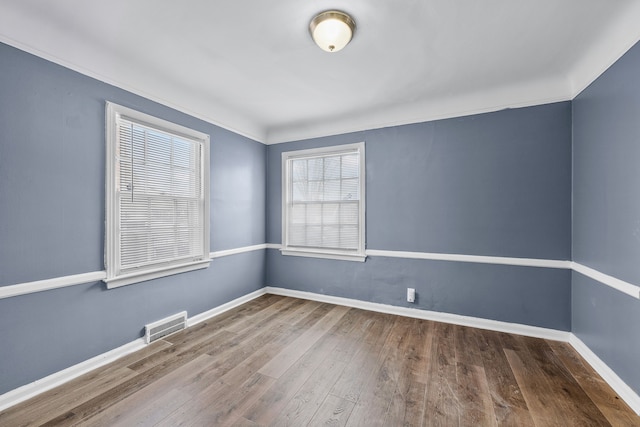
288	362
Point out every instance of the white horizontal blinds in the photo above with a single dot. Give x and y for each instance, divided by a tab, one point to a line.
160	197
324	208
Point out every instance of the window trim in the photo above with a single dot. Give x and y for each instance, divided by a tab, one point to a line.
288	156
111	256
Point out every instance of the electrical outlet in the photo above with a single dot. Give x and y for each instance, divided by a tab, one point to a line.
411	295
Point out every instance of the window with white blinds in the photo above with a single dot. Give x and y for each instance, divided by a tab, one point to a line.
323	202
157	197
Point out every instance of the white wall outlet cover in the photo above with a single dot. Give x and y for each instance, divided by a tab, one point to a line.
411	294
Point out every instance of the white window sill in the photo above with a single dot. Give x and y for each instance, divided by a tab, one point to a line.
131	278
324	254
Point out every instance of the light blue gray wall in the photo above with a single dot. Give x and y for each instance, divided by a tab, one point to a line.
494	184
525	295
606	221
52	160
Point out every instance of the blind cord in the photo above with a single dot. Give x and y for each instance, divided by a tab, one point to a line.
132	167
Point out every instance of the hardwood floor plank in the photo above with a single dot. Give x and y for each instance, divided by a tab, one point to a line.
407	403
339	343
354	323
306	401
252	364
473	388
508	403
143	406
152	412
219	405
334	411
239	358
442	405
143	353
420	350
268	313
271	403
292	352
64	420
353	339
268	303
474	397
365	360
194	343
314	312
377	391
243	422
274	351
466	346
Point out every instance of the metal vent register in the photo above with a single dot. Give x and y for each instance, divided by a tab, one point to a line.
156	330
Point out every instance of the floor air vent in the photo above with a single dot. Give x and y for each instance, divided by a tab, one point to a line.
156	330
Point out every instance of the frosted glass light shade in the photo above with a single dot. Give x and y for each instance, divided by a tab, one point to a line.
332	30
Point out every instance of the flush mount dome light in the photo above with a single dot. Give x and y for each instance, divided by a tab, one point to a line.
332	30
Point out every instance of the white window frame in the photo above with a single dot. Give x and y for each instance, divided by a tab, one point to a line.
345	255
116	277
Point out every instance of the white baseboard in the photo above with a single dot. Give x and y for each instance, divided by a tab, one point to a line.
456	319
617	384
30	390
224	307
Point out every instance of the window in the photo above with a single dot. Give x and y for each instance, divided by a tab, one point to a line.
157	197
323	202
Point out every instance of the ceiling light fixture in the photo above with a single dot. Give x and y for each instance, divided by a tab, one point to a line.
332	30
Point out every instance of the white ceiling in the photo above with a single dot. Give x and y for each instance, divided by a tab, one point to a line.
251	66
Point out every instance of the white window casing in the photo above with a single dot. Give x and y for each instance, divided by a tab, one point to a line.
157	197
323	202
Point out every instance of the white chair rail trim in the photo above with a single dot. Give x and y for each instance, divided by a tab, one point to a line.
96	276
615	283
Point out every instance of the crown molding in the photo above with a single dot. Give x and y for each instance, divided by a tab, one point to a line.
608	48
541	92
